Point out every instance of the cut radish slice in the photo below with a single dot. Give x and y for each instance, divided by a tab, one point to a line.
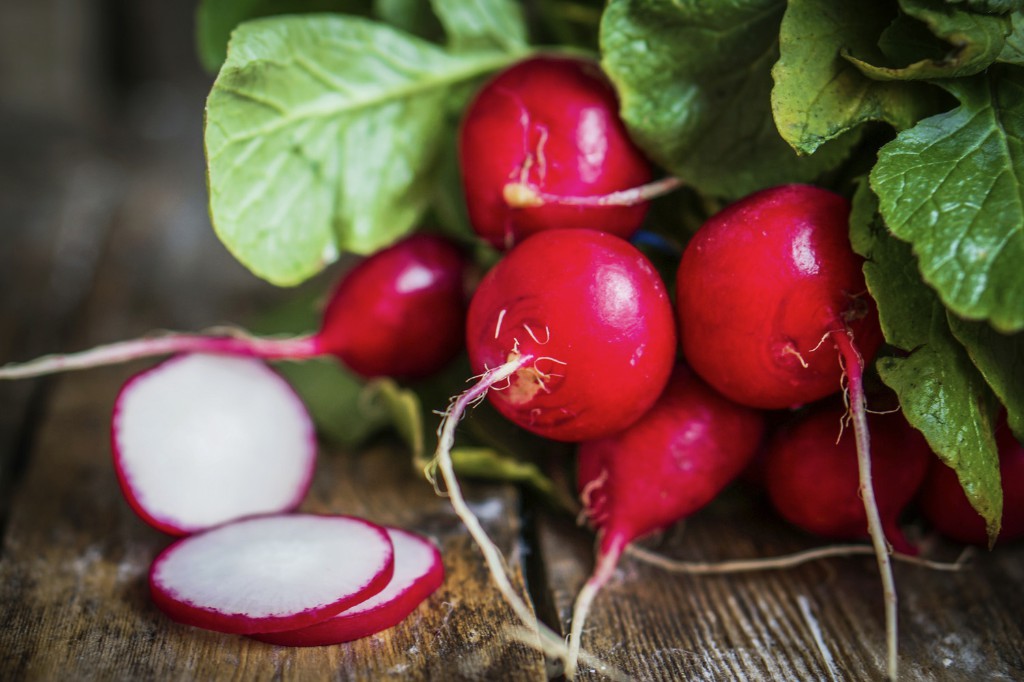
200	440
272	573
418	572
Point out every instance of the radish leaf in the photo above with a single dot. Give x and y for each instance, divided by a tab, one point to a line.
953	186
818	94
695	81
321	138
482	25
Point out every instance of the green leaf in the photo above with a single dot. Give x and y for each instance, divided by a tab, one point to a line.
405	414
819	95
992	6
1000	359
694	79
482	25
216	19
322	137
1013	50
971	42
489	464
415	17
940	391
953	186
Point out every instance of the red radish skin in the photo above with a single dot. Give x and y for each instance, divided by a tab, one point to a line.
663	468
946	507
271	573
550	125
760	287
589	318
419	571
200	440
813	481
398	313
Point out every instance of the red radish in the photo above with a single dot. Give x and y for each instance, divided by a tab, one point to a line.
766	289
945	505
663	468
398	313
812	480
587	320
547	126
762	285
574	331
271	573
418	572
200	440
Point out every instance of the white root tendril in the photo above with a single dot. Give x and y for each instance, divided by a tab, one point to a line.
786	561
231	340
534	633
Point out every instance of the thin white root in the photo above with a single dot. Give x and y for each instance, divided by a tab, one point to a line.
785	561
525	195
540	636
164	343
555	648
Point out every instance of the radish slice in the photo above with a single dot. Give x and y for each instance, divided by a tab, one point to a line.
272	573
200	440
418	572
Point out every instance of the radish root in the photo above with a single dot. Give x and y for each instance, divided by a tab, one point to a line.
526	195
786	561
540	636
853	365
608	558
166	343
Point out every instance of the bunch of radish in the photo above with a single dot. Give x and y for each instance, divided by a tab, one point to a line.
573	337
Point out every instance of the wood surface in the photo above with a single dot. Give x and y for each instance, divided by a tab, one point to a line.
104	235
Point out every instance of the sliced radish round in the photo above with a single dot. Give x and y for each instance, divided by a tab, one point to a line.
272	573
418	572
201	439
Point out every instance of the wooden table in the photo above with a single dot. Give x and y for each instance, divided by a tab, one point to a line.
107	237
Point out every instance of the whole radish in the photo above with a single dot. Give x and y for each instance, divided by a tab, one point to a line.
813	482
946	507
573	331
201	440
766	288
670	463
399	313
587	319
548	125
774	313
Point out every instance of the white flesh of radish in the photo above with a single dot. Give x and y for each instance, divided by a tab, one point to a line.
418	572
272	573
200	440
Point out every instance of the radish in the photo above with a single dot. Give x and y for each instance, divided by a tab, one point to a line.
761	285
200	440
766	287
574	332
271	573
812	480
399	313
418	572
583	326
663	468
541	146
945	505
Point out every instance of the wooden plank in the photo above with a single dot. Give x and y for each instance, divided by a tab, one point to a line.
819	621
